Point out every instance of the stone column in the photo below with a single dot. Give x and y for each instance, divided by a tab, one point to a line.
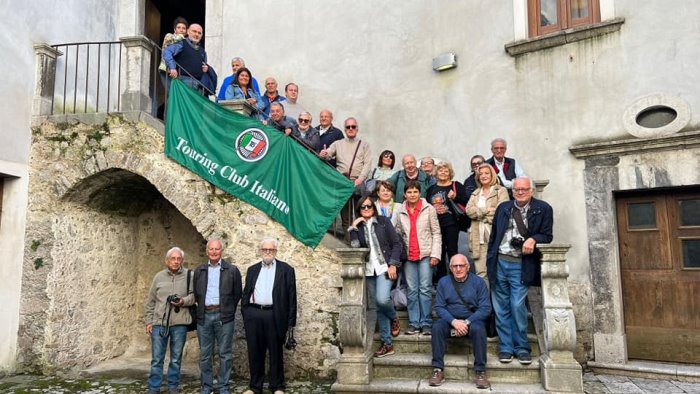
241	106
135	74
354	366
45	78
560	371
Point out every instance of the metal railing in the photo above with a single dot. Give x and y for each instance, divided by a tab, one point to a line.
88	78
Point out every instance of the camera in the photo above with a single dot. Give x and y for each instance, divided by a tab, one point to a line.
174	299
517	242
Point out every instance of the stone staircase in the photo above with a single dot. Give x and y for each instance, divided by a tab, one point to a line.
552	338
409	369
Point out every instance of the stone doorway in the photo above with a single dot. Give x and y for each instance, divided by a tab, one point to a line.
106	245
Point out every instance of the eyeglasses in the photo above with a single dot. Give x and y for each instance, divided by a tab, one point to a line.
478	163
521	190
459	266
304	120
351	127
366	206
268	250
499	148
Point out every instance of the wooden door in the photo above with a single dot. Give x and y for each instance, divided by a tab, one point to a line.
659	234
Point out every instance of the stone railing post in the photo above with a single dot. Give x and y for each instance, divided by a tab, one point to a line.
135	75
45	78
560	371
354	366
241	106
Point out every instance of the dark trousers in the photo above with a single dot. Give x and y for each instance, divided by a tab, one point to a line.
261	336
477	333
450	242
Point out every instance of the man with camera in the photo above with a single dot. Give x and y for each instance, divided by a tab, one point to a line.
269	308
513	265
462	303
166	318
217	290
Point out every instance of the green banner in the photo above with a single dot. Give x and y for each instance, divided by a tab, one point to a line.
255	163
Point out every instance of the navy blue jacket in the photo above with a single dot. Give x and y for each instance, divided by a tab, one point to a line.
230	288
449	306
540	218
389	241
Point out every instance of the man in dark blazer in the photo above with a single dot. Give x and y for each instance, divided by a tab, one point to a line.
269	307
217	290
513	265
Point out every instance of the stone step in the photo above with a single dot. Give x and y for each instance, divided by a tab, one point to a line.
457	367
422	344
403	319
449	387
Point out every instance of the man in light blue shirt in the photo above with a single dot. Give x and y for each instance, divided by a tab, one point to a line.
217	290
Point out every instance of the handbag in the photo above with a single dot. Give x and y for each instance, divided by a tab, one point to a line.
367	187
193	308
460	212
398	294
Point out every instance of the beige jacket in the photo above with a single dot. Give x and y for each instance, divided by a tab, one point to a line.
166	283
483	217
429	236
343	151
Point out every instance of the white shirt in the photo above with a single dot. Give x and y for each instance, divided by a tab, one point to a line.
262	293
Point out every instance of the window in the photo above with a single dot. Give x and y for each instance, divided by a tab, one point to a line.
549	16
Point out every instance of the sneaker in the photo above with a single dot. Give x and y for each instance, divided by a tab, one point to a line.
438	378
412	330
395	327
505	357
525	358
481	381
384	350
426	331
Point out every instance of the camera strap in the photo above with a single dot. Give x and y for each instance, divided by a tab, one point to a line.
519	222
457	290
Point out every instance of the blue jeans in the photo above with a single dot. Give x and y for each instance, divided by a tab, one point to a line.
379	288
214	331
419	279
477	333
509	297
159	344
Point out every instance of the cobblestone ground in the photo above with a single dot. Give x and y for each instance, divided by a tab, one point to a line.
28	384
592	384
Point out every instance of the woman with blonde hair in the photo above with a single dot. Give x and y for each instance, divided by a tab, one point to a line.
481	208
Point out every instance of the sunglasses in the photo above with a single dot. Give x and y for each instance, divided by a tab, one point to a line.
351	127
478	163
389	155
366	206
304	120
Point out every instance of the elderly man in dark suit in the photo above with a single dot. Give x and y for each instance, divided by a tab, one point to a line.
269	307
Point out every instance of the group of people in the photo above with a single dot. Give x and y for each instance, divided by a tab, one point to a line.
268	306
410	219
411	223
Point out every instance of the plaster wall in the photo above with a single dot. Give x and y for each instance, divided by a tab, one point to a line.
25	24
374	62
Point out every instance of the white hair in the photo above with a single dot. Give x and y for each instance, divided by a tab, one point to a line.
505	144
269	240
173	250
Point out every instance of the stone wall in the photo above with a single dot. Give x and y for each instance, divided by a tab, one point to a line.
105	205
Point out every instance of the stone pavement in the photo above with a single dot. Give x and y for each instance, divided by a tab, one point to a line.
592	383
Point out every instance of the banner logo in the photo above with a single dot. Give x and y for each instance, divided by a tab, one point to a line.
251	145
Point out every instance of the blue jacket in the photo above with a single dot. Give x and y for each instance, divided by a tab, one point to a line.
388	239
540	219
171	51
264	104
449	306
229	80
234	92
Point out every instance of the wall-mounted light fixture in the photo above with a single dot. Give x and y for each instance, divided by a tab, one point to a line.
445	61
